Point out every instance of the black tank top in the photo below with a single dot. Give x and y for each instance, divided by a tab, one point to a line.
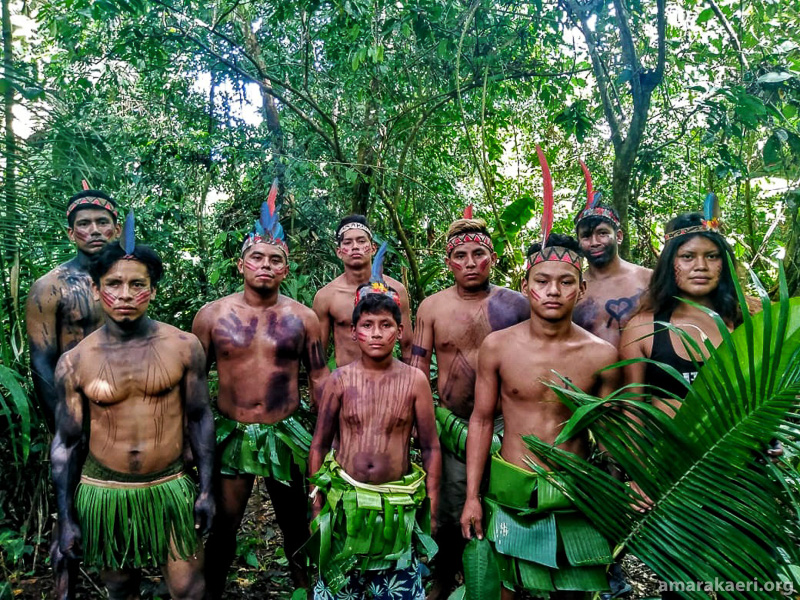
665	353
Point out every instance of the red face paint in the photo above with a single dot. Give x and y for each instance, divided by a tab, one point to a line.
362	336
81	234
108	298
570	296
251	266
280	270
534	295
484	264
141	297
456	266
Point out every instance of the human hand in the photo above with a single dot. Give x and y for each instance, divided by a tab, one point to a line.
472	518
204	511
644	504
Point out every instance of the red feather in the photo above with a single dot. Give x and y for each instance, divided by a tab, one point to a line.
589	189
85	184
547	205
468	212
273	195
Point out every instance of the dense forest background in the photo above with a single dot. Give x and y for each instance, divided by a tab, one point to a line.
405	111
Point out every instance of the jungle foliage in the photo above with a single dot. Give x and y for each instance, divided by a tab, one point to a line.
405	111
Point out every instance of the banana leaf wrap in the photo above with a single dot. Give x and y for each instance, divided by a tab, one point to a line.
542	542
262	449
453	433
135	521
368	526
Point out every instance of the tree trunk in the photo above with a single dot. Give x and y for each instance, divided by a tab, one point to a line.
791	261
10	245
365	157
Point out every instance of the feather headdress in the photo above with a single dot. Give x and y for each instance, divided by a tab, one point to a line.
127	240
376	284
467	212
711	220
593	208
268	228
551	253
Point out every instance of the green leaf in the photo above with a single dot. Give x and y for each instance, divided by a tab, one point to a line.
517	214
704	16
14	401
481	575
773	157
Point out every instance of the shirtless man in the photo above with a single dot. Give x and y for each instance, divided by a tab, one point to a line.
373	404
513	366
258	338
127	389
334	302
453	323
60	312
614	287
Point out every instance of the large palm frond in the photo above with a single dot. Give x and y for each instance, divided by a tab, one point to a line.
720	511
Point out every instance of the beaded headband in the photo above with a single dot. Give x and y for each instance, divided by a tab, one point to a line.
345	228
92	202
376	283
472	236
711	222
267	229
550	253
592	199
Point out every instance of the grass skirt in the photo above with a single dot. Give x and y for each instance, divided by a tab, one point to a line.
135	521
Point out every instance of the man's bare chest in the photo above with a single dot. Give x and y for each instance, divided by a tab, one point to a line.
607	305
148	372
460	329
77	309
341	308
243	334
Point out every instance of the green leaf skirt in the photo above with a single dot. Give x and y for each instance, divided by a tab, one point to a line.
542	542
262	449
453	433
135	521
368	526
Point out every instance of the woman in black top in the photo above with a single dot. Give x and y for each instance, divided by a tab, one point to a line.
694	266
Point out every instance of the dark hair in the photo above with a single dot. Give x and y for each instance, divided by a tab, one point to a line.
663	289
375	303
89	194
113	252
350	219
593	221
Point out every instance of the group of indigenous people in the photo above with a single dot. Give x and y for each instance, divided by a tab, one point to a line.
145	466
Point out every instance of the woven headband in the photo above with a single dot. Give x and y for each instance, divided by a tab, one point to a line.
712	225
345	228
465	238
598	211
255	238
376	287
92	202
556	254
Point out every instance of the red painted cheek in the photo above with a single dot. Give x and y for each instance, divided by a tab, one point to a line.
362	336
535	296
251	266
108	298
141	297
484	265
456	266
571	295
345	251
280	270
81	235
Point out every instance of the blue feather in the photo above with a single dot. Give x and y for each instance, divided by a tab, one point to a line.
596	199
265	219
377	263
128	239
259	229
709	206
277	231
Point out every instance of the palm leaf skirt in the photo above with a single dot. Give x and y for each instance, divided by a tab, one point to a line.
542	542
135	524
262	449
368	527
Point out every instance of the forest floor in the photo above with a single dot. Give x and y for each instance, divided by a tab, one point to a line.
260	568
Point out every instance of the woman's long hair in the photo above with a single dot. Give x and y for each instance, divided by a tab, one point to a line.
663	291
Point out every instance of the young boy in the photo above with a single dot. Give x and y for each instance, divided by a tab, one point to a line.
369	494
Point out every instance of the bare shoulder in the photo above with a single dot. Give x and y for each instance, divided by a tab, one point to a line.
500	338
644	317
212	309
641	274
298	309
416	375
430	304
393	283
600	349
